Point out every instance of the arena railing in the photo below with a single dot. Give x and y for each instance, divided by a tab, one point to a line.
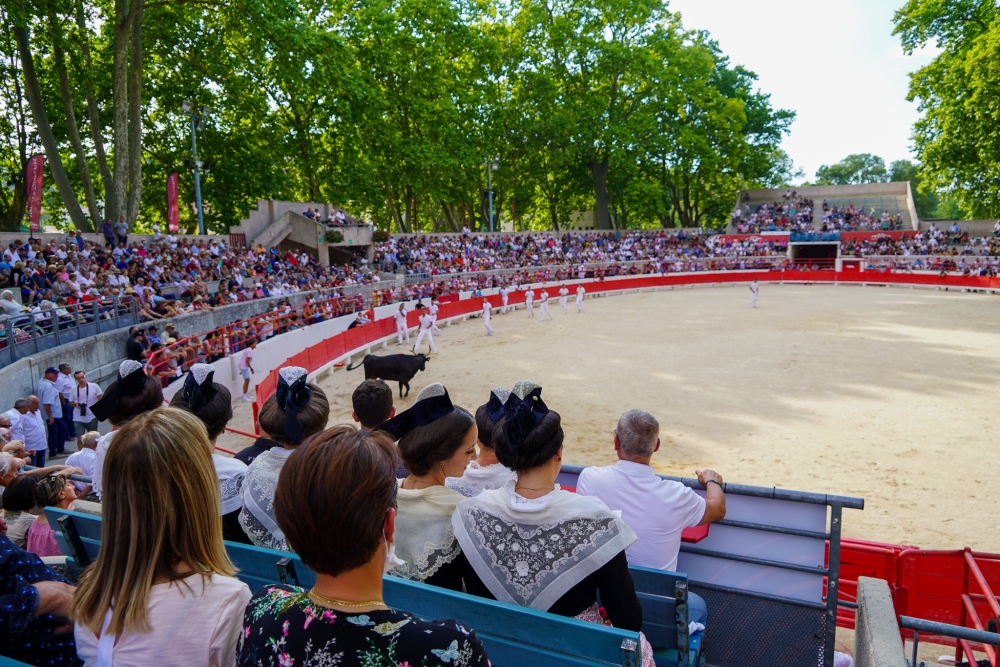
964	638
30	333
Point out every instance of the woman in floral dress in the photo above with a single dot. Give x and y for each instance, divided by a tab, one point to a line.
336	505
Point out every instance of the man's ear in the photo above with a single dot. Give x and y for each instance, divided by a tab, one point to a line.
657	448
354	416
389	525
392	413
618	444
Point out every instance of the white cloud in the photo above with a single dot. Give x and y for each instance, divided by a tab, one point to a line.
836	64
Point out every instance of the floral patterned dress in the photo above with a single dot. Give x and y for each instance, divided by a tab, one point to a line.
284	628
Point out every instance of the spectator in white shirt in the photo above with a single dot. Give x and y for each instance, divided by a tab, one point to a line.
83	395
658	510
64	384
33	429
16	415
84	459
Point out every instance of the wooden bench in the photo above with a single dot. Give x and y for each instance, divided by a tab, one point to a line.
514	636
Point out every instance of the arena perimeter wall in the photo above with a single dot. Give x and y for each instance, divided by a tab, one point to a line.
319	348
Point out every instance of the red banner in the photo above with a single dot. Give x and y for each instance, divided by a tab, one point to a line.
34	176
173	214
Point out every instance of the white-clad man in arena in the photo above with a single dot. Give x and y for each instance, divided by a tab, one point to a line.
563	295
426	324
504	296
401	329
753	293
529	300
487	314
658	510
543	306
433	310
579	298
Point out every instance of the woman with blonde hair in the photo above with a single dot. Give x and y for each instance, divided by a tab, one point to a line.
161	591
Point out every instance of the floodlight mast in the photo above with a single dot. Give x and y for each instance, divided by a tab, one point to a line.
197	122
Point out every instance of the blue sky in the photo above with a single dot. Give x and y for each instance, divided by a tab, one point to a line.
835	63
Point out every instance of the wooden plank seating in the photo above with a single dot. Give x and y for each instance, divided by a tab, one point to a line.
514	636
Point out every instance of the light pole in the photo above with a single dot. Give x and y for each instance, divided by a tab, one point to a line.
197	123
491	166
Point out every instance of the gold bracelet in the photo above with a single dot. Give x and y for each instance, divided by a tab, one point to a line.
316	597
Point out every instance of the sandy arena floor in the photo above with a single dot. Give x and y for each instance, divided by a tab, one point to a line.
881	393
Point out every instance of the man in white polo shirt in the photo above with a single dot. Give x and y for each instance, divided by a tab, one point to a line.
658	510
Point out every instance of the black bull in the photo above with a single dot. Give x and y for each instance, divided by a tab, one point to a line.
399	367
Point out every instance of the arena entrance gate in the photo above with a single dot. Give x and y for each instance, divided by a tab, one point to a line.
814	254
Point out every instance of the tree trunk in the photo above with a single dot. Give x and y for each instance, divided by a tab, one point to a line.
135	120
96	130
44	130
599	170
71	128
553	214
119	118
14	207
392	203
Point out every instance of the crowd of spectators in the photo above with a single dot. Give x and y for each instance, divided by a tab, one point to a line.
337	217
450	254
850	218
351	503
792	213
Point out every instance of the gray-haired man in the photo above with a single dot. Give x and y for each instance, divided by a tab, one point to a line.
658	510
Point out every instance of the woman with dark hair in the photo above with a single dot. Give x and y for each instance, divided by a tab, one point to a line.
436	441
213	404
485	472
335	504
532	544
296	411
130	395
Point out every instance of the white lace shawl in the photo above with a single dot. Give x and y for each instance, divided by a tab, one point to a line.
424	536
477	479
231	473
532	552
257	517
101	451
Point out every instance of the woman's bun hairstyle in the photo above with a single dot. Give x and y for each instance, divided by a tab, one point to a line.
425	447
538	446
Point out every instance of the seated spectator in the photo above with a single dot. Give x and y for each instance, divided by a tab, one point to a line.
212	403
335	504
372	403
436	441
52	491
485	472
162	573
7	304
563	579
296	411
84	460
130	395
34	610
658	509
19	509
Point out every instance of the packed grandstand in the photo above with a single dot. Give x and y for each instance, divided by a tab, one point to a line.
65	285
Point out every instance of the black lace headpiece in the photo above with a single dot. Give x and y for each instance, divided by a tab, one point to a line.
131	381
423	412
293	395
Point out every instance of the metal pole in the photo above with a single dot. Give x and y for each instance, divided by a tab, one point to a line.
197	177
489	189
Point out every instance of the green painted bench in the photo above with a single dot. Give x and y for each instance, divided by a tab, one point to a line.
514	636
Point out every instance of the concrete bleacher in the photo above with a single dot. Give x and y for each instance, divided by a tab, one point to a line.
896	198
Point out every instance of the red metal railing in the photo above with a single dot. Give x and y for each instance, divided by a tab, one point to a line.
969	611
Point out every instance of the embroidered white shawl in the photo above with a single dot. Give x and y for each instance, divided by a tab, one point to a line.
531	552
257	517
477	479
231	473
424	536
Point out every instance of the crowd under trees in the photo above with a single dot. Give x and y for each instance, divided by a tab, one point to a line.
390	108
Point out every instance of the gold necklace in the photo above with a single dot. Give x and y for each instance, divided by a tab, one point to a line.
323	600
528	488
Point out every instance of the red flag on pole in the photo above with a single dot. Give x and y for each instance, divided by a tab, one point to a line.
173	214
34	176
